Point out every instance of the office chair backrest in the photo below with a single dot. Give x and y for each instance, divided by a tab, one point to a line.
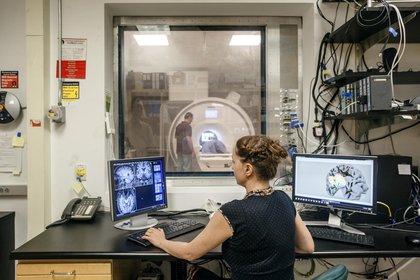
338	272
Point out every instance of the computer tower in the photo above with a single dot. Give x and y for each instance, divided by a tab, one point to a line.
393	190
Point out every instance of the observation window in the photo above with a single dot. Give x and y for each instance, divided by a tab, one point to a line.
214	68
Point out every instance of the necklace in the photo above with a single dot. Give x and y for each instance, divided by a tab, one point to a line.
260	192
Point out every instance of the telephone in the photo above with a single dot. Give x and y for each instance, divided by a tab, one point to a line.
81	209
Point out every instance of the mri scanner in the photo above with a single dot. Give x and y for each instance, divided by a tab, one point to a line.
224	118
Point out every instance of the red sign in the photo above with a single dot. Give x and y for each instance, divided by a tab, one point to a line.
73	60
72	69
9	79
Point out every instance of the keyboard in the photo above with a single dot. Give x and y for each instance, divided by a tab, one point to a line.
172	229
335	234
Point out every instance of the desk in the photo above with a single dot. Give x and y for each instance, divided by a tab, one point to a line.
96	239
99	240
7	244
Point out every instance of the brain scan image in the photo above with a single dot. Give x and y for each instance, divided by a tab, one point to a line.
126	201
144	173
346	181
124	175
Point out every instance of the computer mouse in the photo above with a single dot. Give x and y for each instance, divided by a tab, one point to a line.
412	239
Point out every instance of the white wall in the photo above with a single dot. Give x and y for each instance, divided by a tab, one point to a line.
13	57
82	138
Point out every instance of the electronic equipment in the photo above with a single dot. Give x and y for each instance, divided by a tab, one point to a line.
388	56
137	186
372	93
413	240
171	229
212	116
335	234
393	190
338	182
9	107
79	209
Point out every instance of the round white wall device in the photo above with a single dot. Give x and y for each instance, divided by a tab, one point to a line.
9	107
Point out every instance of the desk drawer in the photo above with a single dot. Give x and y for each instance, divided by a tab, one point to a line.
64	271
77	277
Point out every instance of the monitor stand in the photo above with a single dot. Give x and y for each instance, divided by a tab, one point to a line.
137	223
335	222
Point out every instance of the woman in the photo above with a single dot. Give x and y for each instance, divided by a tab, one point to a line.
260	233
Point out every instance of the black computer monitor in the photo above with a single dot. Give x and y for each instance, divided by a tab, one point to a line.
137	186
339	182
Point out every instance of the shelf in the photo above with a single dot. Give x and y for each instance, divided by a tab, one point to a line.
378	115
366	36
375	119
399	78
353	32
149	93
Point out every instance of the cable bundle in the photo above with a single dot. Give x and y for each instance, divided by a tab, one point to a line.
326	94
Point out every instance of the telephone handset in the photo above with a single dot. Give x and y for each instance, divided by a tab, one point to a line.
81	209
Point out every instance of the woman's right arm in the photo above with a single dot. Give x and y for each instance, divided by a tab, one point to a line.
303	239
216	231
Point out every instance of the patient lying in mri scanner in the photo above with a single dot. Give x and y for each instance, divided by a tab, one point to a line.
213	153
213	146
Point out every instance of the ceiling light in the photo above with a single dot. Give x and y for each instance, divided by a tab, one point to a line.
245	40
158	28
152	40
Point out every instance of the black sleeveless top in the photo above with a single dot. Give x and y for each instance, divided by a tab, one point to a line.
263	241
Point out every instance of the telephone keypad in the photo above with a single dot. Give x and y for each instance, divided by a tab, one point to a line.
86	207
